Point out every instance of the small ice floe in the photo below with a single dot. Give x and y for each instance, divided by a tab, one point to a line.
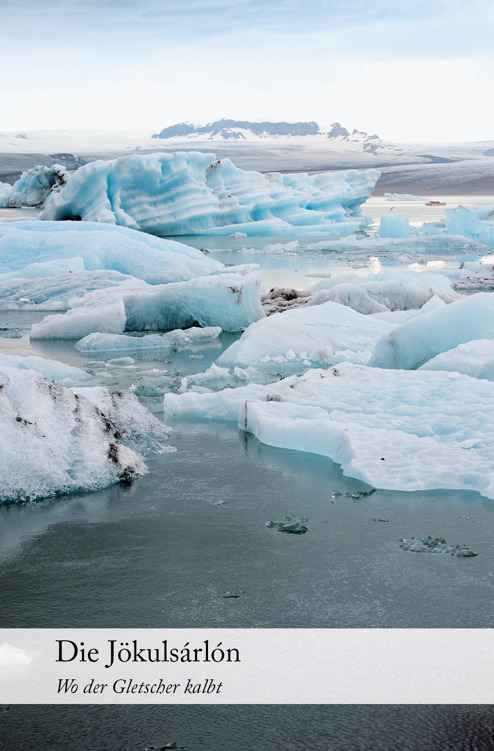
435	545
356	494
11	333
292	524
228	595
217	502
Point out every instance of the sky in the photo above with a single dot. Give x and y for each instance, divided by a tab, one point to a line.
410	71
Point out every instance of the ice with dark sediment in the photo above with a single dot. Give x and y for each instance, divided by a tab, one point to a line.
72	439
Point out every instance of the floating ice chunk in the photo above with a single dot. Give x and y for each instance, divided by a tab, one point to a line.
5	191
474	358
190	193
402	197
436	545
292	525
57	292
420	339
171	341
81	321
303	331
98	247
394	225
483	212
11	333
393	429
72	440
65	375
35	185
461	221
229	301
387	290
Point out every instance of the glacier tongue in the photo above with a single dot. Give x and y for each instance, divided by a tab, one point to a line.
190	193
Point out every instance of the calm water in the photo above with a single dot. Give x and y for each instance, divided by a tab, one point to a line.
163	552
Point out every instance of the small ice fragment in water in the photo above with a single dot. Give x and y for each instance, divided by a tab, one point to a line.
217	502
11	333
335	494
293	524
231	595
435	545
361	493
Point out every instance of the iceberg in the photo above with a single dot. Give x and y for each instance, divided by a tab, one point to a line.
462	221
172	341
418	340
392	429
190	193
474	358
34	186
80	439
95	247
57	292
322	334
394	225
65	375
402	197
388	290
228	300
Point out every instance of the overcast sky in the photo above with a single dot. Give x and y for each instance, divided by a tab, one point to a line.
407	70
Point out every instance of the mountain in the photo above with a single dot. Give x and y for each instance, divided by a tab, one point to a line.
238	129
244	130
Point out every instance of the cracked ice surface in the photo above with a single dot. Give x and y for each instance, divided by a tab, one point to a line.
80	439
393	429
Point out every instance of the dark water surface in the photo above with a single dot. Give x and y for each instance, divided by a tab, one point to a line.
165	551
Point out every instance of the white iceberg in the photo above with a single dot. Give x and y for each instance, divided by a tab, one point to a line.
172	341
418	340
474	358
392	290
397	430
94	247
228	300
319	334
65	375
190	193
58	440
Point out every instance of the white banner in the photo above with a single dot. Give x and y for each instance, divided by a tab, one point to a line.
246	666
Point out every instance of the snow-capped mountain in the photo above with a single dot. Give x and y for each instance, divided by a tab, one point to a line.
308	132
